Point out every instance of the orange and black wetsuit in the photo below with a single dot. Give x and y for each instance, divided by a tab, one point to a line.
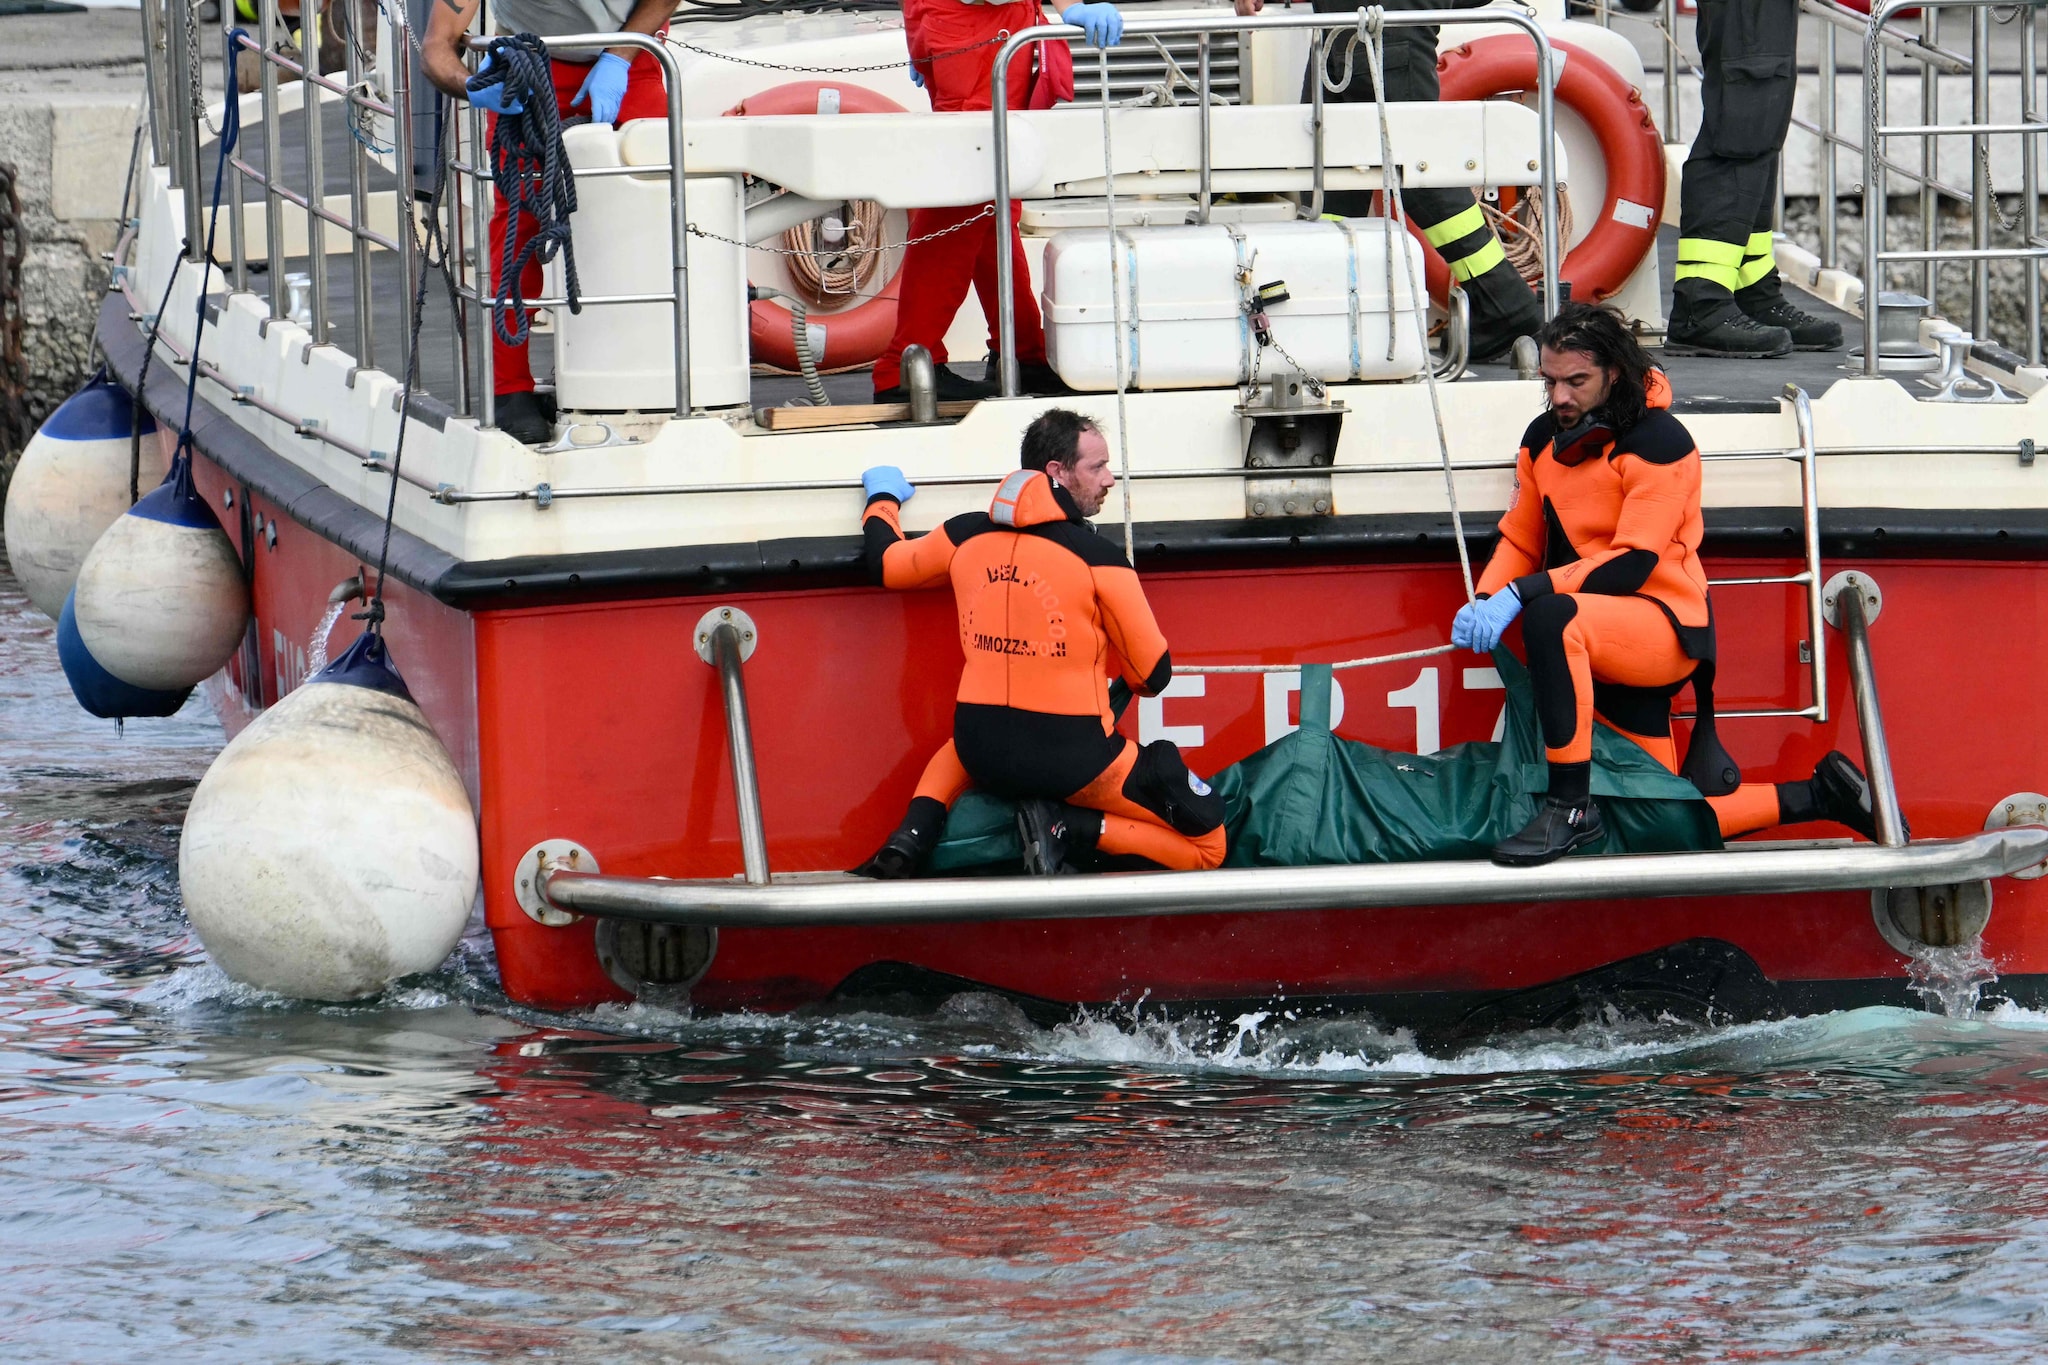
1046	607
1601	540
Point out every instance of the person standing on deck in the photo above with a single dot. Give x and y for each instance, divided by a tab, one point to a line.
1726	298
1503	306
1043	601
953	46
615	86
1600	547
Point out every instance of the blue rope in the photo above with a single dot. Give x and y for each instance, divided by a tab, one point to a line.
231	131
531	174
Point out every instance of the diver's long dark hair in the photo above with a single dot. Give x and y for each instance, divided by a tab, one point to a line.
1604	334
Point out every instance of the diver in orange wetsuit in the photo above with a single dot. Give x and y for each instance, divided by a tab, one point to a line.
1043	603
1600	547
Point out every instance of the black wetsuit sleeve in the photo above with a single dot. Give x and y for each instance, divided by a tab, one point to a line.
878	532
1624	574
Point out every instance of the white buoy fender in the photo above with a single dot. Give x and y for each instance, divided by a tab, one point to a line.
161	603
331	848
71	484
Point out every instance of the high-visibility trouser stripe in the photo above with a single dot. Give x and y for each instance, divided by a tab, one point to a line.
1456	226
1759	259
1479	262
1706	259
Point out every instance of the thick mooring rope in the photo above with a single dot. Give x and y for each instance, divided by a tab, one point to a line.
532	176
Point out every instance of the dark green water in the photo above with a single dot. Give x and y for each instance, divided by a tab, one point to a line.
189	1170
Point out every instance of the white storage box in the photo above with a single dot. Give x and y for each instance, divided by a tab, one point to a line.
1185	295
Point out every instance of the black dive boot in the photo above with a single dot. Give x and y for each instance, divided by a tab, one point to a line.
1705	320
526	417
1837	791
1052	832
1504	307
1566	819
902	851
1765	304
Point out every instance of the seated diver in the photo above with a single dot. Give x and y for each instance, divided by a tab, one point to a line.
1042	601
1600	548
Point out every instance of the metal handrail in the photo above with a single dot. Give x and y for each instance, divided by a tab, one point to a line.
829	900
1877	751
678	297
726	657
1006	315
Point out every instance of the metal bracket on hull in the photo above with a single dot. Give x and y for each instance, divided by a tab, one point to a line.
726	638
836	898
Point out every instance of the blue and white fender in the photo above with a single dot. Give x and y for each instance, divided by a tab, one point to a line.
71	485
331	848
160	602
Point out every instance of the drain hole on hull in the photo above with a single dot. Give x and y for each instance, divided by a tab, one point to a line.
655	959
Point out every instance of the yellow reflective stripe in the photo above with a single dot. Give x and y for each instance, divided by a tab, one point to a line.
1456	226
1708	251
1479	262
1727	276
1756	269
1759	244
247	10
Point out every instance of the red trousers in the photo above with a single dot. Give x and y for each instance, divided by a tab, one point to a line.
645	97
951	42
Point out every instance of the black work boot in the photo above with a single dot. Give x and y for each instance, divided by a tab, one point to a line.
1559	827
526	417
950	388
1504	307
903	850
1035	379
1565	819
1052	832
1837	791
1765	304
1705	320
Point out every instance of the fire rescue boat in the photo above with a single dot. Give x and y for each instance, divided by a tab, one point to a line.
678	708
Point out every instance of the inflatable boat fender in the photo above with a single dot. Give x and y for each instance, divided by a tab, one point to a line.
69	487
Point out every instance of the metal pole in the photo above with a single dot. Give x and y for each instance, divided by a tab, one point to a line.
1930	159
1877	754
739	734
1809	498
2030	186
1829	189
365	350
1981	200
405	154
238	246
1546	124
312	113
185	132
153	99
999	107
1202	194
480	272
1873	183
1670	70
1318	65
273	156
679	237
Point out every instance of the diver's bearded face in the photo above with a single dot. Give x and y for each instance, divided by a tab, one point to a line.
1089	478
1575	384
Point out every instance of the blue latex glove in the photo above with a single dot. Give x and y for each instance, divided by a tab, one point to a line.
1479	625
1104	25
605	87
888	481
916	76
493	97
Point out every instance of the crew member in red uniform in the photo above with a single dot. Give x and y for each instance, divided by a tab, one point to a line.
1048	609
1600	547
615	86
953	46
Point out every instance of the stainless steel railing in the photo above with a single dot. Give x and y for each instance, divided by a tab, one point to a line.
1320	26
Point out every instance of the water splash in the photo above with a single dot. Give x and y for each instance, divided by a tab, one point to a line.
316	648
1951	980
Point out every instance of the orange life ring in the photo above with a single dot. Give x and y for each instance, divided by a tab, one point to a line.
1629	143
854	336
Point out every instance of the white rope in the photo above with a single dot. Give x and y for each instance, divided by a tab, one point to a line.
1116	305
1430	653
1370	28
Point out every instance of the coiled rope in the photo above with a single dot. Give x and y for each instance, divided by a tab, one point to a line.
528	167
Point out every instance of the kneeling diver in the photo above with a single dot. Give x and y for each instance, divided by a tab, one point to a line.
1042	602
1600	547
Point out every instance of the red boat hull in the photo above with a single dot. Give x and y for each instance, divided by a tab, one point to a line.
597	722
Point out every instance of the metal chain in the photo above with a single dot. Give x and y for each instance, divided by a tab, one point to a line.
987	211
198	83
2011	224
833	70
